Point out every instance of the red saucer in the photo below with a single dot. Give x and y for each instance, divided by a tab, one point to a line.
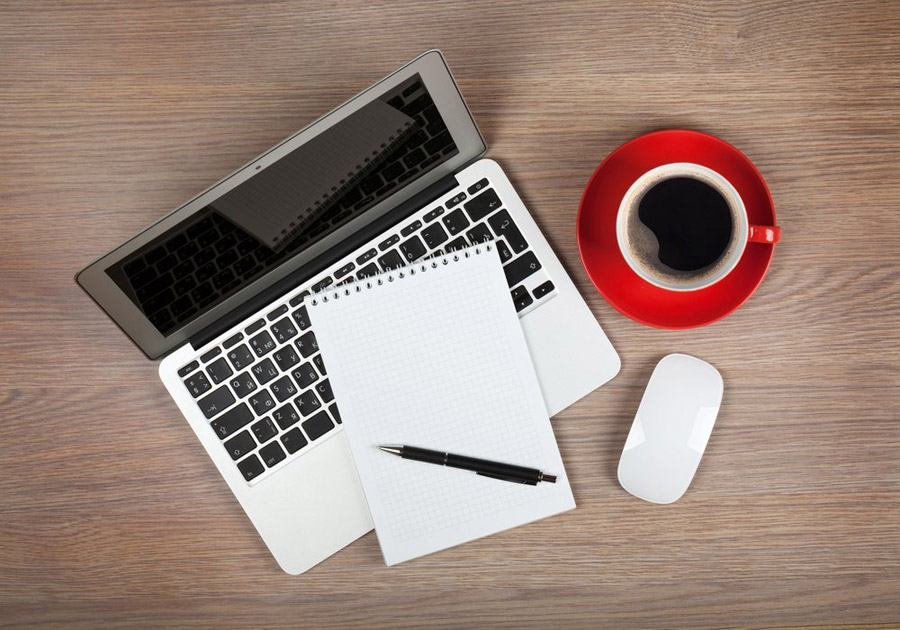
596	230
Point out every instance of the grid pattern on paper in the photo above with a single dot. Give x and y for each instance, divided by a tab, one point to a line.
440	371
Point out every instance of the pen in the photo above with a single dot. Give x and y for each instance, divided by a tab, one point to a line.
506	472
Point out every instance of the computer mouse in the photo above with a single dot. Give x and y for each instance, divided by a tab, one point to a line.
671	429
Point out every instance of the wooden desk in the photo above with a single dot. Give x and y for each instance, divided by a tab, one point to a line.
112	114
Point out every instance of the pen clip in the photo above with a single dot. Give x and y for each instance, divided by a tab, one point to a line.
504	478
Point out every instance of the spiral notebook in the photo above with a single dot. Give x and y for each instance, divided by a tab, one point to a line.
277	203
433	355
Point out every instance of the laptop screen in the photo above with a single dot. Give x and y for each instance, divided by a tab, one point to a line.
286	208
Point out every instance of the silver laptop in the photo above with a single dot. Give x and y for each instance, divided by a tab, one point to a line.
218	286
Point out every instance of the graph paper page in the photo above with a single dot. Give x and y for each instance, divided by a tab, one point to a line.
437	359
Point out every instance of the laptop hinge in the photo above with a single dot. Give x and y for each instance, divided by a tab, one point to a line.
302	274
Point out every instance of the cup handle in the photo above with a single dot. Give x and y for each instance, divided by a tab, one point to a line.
769	234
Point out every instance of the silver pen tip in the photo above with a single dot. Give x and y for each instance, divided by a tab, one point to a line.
396	450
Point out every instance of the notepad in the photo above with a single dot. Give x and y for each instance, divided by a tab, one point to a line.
433	355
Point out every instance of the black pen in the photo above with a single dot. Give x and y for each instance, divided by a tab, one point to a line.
506	472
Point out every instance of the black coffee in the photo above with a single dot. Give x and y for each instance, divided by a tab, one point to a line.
691	220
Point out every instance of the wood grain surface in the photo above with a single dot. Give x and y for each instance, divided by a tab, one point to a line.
111	114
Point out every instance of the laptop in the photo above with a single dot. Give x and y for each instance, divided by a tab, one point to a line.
218	287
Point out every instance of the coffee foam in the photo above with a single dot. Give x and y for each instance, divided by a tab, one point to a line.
643	245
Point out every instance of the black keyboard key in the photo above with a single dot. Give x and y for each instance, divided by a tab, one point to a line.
503	250
456	222
251	468
521	268
206	239
157	286
417	105
406	175
369	270
240	445
483	205
369	255
343	271
286	358
156	255
371	184
278	312
305	375
243	384
219	370
318	425
416	139
412	248
455	200
390	242
209	355
182	270
272	454
284	330
232	421
478	186
335	413
134	266
140	279
391	260
455	244
307	402
428	162
320	364
439	142
262	343
307	344
301	316
187	369
298	298
226	243
252	328
543	290
412	227
503	226
412	158
197	384
521	298
200	227
434	235
264	371
285	416
480	234
264	430
434	214
240	357
321	284
283	388
325	393
232	340
223	280
261	402
181	306
293	440
203	256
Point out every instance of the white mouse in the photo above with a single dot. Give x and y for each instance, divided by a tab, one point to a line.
671	429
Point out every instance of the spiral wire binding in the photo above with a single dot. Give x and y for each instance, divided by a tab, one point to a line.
399	273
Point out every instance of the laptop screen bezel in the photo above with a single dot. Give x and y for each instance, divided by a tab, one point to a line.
434	73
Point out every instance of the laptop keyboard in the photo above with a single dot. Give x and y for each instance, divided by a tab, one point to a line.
265	389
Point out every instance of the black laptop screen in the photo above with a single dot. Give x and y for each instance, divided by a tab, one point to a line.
281	211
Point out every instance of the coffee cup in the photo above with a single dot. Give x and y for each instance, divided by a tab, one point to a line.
684	227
